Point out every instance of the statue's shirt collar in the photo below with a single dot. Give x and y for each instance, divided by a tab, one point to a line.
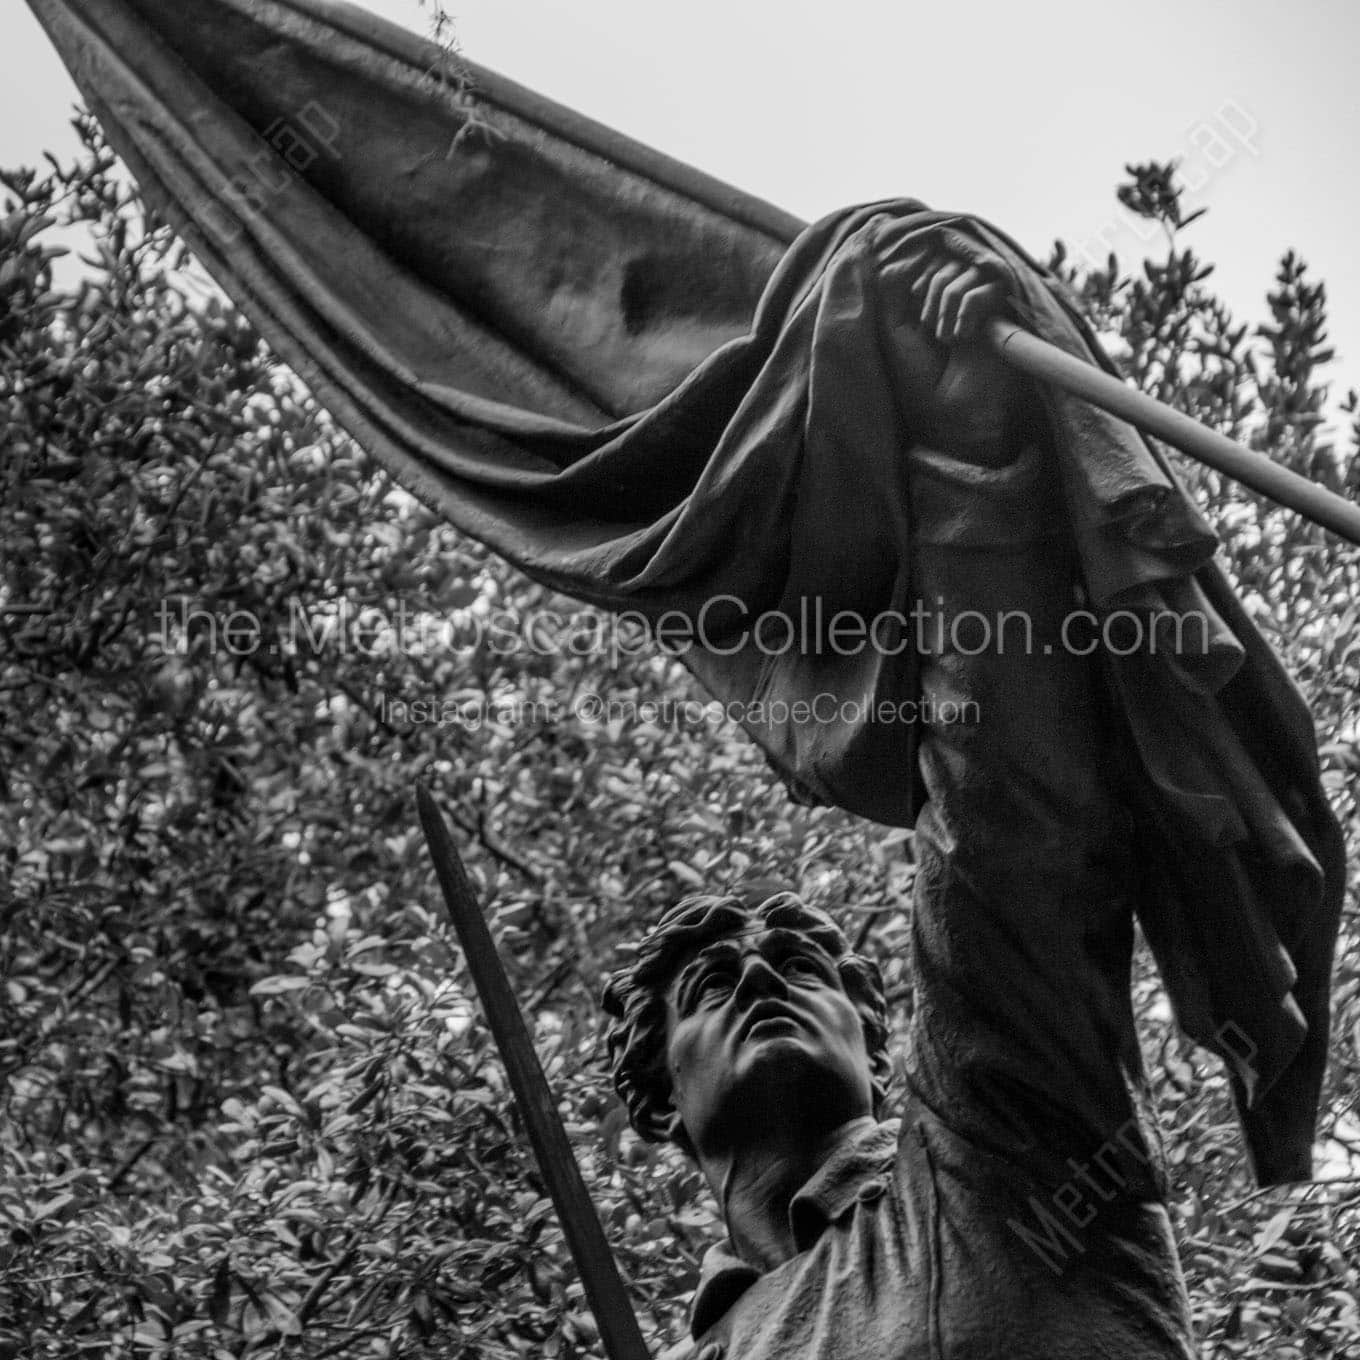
857	1167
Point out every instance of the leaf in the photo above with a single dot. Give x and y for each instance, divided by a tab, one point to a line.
685	873
281	1098
277	986
219	1302
365	1097
284	1318
377	970
1273	1230
364	945
53	1208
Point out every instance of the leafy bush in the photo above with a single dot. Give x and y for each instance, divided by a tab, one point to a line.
250	1106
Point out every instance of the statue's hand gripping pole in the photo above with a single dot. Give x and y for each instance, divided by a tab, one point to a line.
599	1275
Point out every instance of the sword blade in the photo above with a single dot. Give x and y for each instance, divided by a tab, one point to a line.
604	1289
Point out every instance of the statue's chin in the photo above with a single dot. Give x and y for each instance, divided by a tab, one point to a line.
776	1061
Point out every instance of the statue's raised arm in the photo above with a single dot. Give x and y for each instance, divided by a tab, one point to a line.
1017	1208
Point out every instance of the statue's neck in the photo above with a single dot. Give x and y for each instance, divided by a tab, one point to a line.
755	1184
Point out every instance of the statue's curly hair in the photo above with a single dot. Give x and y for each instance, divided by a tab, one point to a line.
635	996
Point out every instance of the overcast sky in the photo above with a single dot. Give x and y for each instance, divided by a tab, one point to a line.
1021	112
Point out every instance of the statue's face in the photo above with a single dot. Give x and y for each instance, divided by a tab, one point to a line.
760	1029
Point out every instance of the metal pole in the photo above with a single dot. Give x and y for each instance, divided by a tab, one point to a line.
599	1275
1041	360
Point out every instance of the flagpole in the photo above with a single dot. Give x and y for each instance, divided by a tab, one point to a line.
604	1289
1039	359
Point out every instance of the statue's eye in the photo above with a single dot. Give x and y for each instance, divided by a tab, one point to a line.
802	966
711	985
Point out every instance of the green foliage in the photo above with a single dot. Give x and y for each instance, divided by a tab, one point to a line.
250	1108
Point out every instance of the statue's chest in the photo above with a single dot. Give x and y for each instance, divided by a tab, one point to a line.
860	1292
928	1261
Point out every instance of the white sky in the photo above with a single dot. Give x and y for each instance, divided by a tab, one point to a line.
1024	113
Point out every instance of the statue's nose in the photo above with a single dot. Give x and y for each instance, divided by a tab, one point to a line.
758	979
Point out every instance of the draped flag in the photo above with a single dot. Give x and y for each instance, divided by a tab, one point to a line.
651	391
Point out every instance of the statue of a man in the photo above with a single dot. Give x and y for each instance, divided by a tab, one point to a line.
1017	1210
749	1033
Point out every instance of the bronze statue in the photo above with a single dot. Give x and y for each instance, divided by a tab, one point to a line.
749	1033
1017	1210
661	396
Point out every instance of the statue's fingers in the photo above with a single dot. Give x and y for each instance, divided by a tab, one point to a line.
922	269
952	299
916	265
939	281
977	306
